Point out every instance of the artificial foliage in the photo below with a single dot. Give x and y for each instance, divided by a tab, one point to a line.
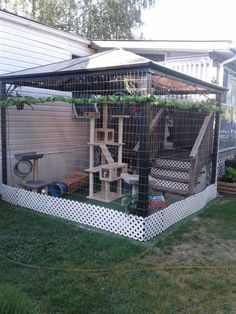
209	106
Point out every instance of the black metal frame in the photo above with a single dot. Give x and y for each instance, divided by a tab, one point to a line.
150	69
3	134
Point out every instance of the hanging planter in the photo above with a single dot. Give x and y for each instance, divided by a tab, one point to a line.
136	108
20	106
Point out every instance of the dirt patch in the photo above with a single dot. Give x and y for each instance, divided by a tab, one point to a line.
201	246
208	251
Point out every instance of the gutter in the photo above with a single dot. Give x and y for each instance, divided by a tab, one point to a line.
221	69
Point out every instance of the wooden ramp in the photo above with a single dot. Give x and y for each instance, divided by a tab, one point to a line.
106	153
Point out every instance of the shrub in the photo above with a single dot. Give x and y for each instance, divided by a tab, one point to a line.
131	201
230	174
14	301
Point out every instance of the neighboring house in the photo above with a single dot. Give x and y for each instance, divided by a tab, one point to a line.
26	44
190	57
211	61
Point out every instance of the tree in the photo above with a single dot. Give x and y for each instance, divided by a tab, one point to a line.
94	19
113	19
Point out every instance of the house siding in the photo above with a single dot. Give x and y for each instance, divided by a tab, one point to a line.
25	44
49	129
201	67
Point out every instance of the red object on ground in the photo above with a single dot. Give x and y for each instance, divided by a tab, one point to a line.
156	205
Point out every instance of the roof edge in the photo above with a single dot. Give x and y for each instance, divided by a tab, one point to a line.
9	16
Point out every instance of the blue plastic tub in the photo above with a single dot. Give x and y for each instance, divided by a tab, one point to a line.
58	189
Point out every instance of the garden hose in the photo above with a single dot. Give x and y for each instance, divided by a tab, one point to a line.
120	270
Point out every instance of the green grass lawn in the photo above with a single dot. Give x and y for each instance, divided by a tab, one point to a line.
191	268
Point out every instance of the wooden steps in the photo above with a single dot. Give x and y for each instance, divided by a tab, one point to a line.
168	190
171	174
169	177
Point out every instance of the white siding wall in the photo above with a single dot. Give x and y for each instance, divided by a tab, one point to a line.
201	67
25	44
47	129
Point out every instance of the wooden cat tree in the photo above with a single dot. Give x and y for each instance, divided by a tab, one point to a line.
109	170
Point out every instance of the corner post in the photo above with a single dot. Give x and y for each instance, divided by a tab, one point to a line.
3	134
144	153
216	142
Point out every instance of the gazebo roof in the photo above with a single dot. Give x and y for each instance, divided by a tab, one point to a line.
116	59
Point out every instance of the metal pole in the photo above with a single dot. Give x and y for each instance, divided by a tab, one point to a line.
215	152
144	167
3	134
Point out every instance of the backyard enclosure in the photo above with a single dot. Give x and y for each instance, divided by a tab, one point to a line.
118	119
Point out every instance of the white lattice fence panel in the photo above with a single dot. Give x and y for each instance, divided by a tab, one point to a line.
134	227
221	165
170	184
188	206
160	221
172	163
96	216
154	225
9	195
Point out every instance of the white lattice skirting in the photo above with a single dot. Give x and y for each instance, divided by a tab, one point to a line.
138	228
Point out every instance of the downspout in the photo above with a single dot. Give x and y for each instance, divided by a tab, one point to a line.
3	134
221	70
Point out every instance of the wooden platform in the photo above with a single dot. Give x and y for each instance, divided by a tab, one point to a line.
100	196
76	180
180	154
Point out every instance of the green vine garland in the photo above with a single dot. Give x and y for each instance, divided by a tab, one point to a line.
208	106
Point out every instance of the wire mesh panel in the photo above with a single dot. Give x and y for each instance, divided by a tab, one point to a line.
162	220
138	228
221	164
76	150
92	215
94	138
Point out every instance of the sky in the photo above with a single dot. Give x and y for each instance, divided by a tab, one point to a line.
191	20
